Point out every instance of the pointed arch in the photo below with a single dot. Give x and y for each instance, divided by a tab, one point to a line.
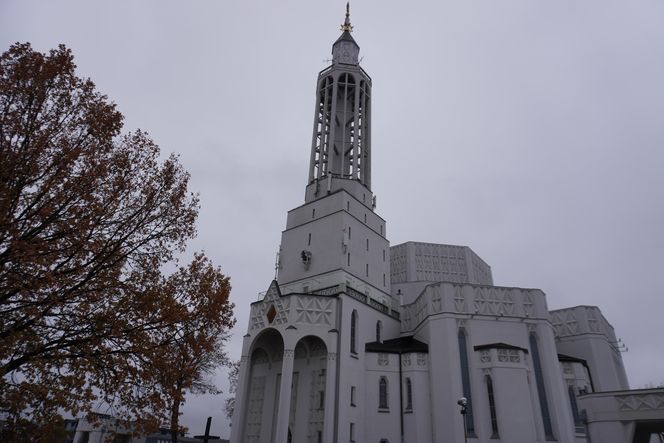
409	395
383	393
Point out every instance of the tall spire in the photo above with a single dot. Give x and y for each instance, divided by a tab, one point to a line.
347	27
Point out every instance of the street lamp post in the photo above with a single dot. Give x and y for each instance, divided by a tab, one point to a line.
463	402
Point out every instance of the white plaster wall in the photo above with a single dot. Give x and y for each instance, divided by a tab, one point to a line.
352	370
335	232
417	423
381	423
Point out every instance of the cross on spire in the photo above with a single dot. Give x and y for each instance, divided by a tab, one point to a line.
347	27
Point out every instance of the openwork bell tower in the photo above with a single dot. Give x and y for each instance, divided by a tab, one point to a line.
341	143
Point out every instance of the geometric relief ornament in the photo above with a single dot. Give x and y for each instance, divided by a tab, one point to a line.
271	313
528	305
273	292
383	359
592	320
640	402
459	300
436	299
276	313
565	323
256	321
313	310
493	301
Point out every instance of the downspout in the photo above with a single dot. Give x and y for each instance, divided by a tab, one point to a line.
401	397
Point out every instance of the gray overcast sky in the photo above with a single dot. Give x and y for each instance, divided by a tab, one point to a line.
530	131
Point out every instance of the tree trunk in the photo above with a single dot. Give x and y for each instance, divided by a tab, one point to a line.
175	415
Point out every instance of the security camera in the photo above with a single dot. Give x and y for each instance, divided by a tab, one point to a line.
463	401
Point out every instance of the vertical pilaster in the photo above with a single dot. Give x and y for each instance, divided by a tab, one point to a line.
330	389
285	396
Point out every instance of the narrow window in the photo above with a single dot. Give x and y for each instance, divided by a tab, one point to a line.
364	198
367	271
379	330
409	395
349	233
352	395
367	244
383	254
348	206
382	393
365	218
349	259
541	391
578	422
383	279
309	240
353	332
352	432
465	381
381	229
313	213
492	408
319	436
321	399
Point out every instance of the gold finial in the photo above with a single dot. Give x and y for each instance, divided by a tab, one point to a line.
347	27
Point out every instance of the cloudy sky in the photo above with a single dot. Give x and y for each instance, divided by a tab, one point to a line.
532	132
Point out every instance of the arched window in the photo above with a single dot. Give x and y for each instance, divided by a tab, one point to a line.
409	395
465	381
541	390
492	408
382	394
379	331
353	332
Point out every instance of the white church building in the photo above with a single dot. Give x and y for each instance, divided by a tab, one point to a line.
360	341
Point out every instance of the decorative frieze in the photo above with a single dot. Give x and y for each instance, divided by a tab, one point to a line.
470	299
493	301
459	300
314	310
640	402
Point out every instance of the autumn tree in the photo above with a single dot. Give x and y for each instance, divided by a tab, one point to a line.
196	348
233	377
88	218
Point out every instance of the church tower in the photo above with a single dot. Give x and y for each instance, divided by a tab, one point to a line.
303	356
336	237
